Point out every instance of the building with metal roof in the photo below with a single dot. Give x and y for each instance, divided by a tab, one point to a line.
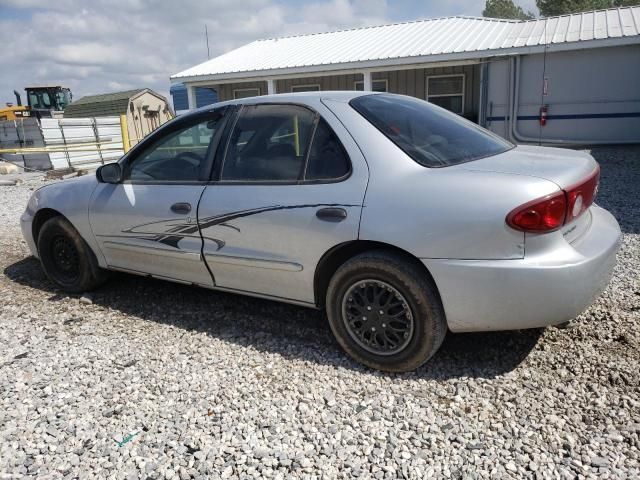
204	96
559	67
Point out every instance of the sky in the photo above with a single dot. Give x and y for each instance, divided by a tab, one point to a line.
102	46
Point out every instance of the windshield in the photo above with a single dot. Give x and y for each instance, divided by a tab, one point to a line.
39	99
49	99
430	135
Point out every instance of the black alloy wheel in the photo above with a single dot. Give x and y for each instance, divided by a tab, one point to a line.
377	317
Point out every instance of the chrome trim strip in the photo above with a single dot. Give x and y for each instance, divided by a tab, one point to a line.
151	250
253	262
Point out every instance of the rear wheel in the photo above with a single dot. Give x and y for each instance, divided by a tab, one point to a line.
385	311
66	258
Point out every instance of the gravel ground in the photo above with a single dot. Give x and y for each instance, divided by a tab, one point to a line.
146	379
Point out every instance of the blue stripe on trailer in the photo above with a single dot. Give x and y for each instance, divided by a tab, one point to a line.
571	116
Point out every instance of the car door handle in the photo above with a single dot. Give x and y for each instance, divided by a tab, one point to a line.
181	207
332	214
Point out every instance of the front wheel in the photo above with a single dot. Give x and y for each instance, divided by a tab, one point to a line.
385	311
66	258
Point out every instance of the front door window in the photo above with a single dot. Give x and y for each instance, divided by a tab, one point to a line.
178	157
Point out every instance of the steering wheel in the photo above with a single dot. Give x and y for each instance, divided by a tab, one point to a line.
190	157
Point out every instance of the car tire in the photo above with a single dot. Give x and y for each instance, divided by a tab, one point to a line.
409	325
66	258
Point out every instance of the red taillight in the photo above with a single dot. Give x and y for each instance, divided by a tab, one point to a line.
553	211
542	215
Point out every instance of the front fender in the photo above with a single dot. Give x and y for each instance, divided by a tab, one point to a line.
71	199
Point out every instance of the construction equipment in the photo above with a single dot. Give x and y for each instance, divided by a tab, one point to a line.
14	112
45	101
48	101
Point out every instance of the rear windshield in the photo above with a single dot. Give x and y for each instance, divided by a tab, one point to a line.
432	136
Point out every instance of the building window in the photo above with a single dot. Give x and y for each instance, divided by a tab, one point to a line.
376	85
245	92
305	88
447	91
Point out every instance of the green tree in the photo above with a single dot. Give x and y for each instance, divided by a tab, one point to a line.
505	9
550	8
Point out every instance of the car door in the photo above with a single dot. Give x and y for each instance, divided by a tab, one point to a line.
288	186
147	222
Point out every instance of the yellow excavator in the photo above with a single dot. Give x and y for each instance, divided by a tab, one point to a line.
43	101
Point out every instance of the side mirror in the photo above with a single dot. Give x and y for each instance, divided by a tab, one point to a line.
109	173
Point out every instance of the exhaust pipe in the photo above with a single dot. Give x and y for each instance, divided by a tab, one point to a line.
18	99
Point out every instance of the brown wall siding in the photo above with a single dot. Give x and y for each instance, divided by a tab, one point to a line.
333	82
225	91
406	82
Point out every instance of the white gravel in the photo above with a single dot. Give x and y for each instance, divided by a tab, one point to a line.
145	379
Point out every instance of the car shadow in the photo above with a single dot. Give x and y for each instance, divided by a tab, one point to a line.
273	327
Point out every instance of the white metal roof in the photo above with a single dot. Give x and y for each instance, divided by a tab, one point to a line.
431	40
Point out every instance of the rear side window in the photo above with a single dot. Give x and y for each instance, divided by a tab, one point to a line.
327	157
430	135
268	143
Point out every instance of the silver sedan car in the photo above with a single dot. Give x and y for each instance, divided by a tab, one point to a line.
399	218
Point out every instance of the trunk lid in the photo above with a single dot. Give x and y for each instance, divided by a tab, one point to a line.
561	166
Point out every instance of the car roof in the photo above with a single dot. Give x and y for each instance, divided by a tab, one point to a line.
298	97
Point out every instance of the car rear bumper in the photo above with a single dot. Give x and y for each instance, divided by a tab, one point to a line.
26	221
546	287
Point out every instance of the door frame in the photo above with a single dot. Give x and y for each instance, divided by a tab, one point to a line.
230	125
229	114
150	142
357	166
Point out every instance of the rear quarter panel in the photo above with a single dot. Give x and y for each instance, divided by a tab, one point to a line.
448	214
445	212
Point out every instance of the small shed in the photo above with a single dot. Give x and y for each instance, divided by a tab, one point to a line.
145	109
